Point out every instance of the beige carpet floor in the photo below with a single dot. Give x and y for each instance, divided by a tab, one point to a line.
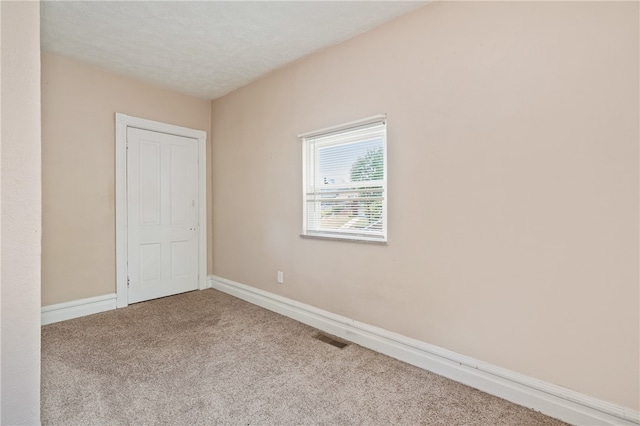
207	358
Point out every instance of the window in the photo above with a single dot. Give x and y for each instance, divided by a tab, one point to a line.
345	181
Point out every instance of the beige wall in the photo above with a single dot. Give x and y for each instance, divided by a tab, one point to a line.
78	147
513	186
21	213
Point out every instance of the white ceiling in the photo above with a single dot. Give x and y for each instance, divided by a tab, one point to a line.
205	49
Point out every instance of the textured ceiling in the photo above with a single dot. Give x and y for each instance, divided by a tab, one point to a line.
205	49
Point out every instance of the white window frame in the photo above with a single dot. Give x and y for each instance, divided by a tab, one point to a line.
337	130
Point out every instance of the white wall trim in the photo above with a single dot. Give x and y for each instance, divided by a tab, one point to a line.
555	401
210	279
77	308
122	122
343	126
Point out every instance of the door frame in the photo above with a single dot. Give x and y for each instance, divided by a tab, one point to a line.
124	121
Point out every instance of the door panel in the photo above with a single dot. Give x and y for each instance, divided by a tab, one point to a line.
179	177
149	183
179	260
162	195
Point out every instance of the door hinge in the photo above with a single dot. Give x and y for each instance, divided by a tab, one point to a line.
128	282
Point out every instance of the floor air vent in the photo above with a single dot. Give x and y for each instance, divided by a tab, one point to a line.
332	341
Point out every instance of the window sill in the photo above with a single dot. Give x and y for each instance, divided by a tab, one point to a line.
346	239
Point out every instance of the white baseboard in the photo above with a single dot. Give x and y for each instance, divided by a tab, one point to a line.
552	400
208	282
77	308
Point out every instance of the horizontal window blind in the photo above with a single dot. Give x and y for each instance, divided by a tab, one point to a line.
345	183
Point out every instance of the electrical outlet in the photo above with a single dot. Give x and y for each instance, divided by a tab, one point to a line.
280	277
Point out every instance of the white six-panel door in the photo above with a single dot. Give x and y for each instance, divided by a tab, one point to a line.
162	217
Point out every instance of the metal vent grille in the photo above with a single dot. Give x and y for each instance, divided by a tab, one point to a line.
331	340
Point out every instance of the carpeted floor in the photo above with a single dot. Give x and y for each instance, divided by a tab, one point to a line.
208	358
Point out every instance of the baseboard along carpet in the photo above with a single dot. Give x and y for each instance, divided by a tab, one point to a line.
206	357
